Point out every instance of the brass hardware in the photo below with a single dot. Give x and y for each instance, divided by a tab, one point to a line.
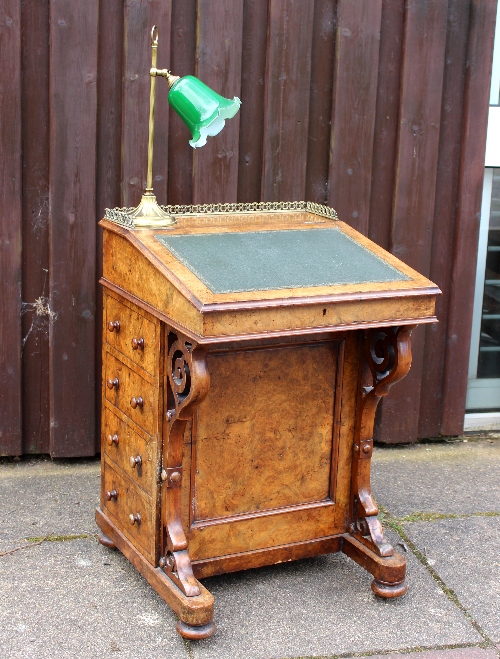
138	343
122	215
165	73
135	462
175	477
114	326
135	519
113	494
113	439
136	402
113	383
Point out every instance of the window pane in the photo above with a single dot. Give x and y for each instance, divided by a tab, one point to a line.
489	346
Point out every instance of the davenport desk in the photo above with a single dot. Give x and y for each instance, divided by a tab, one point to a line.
244	354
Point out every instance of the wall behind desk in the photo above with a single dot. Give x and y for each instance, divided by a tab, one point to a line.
375	107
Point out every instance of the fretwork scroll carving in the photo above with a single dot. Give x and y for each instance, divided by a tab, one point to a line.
187	384
387	359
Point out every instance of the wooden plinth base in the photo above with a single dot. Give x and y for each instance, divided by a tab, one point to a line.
195	613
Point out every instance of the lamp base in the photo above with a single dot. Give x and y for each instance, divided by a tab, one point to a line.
148	215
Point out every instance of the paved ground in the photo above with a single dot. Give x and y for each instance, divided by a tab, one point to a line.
63	595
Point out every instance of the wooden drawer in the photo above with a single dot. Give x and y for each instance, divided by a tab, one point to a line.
120	498
126	448
128	385
134	336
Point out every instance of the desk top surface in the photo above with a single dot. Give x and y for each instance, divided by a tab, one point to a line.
253	262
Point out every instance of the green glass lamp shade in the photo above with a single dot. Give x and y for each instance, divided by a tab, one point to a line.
202	110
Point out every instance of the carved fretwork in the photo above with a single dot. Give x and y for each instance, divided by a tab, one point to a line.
187	383
387	359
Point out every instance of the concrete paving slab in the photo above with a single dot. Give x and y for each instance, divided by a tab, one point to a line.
77	599
324	606
431	477
44	496
465	553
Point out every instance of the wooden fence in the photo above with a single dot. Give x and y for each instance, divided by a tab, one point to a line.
375	107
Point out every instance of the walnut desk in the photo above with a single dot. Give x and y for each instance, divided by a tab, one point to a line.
244	356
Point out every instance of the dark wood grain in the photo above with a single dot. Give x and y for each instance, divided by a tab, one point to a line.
218	64
10	228
182	63
386	122
108	156
320	102
73	73
475	117
35	136
355	71
444	215
286	105
139	18
252	95
415	182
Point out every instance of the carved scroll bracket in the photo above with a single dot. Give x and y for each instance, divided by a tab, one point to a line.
187	384
387	359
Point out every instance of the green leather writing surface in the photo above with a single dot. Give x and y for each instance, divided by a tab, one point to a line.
267	260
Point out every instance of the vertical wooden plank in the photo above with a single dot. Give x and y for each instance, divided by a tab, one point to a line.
182	63
444	214
139	18
286	105
73	77
386	122
475	112
415	185
108	152
10	228
320	102
218	64
252	94
35	140
353	119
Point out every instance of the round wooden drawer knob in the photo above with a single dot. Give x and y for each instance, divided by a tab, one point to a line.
114	326
136	402
113	383
135	519
113	439
135	462
138	344
111	494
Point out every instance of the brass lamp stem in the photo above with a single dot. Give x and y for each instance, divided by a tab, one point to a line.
148	214
152	92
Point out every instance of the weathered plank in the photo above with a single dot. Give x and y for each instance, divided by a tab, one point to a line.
218	64
182	62
73	74
252	95
35	137
10	228
444	214
475	117
108	152
139	18
320	102
286	105
415	184
386	122
353	117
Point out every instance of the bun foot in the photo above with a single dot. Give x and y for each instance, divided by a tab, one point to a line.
389	591
193	632
107	542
